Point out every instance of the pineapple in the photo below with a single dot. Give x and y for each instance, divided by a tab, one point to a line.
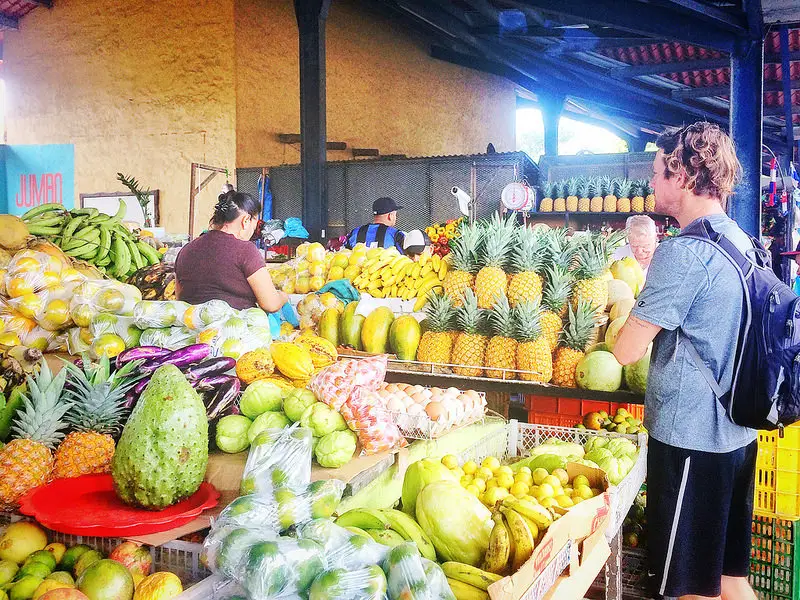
624	200
546	204
534	359
572	200
571	191
98	400
586	193
437	342
596	203
26	461
559	203
501	351
555	300
650	198
465	261
500	236
610	199
575	337
591	281
637	202
526	284
469	349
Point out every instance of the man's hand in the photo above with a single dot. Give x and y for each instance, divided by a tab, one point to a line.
633	340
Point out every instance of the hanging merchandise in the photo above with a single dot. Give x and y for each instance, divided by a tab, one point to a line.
265	195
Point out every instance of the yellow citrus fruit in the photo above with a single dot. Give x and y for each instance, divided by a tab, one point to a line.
584	491
504	480
82	314
29	305
485	473
562	476
207	335
554	481
302	250
289	286
340	259
545	491
85	335
335	274
18	286
539	475
50	279
108	344
523	477
57	312
494	495
526	470
564	501
26	265
504	469
491	483
316	252
191	318
316	269
519	490
473	489
480	483
40	342
451	462
232	348
70	274
491	463
470	467
580	480
548	502
302	285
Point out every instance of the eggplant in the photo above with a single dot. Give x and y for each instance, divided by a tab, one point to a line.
210	367
131	398
225	396
139	388
141	353
181	358
207	384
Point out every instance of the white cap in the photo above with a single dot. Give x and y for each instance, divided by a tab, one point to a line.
415	238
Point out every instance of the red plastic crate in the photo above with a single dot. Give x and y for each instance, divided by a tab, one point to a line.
569	411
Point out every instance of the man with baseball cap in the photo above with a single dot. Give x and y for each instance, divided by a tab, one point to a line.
381	233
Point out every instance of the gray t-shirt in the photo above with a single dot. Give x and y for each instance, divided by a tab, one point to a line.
694	291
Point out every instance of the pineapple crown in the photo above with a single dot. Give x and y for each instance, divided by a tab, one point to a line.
613	186
470	318
586	189
466	247
502	318
530	251
43	409
97	396
560	250
548	189
499	235
560	189
557	289
594	188
528	321
625	188
440	314
591	258
572	186
580	325
637	189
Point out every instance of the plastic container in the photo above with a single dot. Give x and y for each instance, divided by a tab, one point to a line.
777	489
567	412
775	558
516	439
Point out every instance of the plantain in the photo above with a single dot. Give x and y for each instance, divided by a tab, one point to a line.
464	591
40	210
535	512
501	549
136	257
105	243
149	253
71	228
523	538
363	519
120	255
410	530
470	575
387	537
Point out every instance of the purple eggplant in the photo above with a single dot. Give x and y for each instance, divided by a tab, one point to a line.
131	398
139	388
210	367
226	395
181	358
211	383
141	353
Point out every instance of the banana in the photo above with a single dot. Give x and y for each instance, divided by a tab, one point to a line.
424	258
470	575
443	268
426	270
416	271
536	513
89	212
464	591
43	231
426	285
382	262
149	253
87	232
420	303
387	537
363	519
501	549
359	531
71	228
410	530
121	256
123	208
40	210
436	262
398	262
533	527
48	220
136	258
105	243
523	538
91	237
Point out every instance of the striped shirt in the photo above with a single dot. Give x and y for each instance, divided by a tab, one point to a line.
376	235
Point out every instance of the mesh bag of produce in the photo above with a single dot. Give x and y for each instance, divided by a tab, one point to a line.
154	314
172	338
334	384
200	316
278	458
274	569
376	430
368	583
343	549
411	577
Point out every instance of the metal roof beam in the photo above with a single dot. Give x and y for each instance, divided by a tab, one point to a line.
645	19
7	21
725	90
706	12
688	65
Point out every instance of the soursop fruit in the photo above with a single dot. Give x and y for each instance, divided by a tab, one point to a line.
162	455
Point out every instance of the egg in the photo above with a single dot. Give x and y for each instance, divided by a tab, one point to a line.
396	405
435	411
416	410
452	390
407	402
418	397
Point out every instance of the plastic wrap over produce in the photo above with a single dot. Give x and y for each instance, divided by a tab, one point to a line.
151	314
284	567
343	548
172	338
278	458
368	583
412	577
376	430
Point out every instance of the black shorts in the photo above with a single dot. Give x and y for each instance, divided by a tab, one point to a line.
699	517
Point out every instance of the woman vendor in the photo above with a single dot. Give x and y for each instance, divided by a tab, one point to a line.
642	241
223	264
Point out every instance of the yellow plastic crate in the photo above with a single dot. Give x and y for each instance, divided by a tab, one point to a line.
777	488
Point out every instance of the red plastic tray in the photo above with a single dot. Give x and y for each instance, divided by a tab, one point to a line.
88	505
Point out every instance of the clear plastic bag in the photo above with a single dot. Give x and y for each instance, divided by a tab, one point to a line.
124	327
76	342
344	549
280	568
368	583
31	271
158	314
278	458
411	577
377	432
234	336
334	384
102	296
255	317
225	547
171	338
199	316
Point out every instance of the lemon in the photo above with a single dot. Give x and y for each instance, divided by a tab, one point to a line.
108	344
491	483
562	476
526	478
473	489
29	305
302	285
57	313
491	463
451	462
539	475
564	501
485	473
580	480
584	491
18	286
554	481
504	480
505	469
494	495
479	483
519	490
526	470
316	269
470	467
335	274
545	491
26	265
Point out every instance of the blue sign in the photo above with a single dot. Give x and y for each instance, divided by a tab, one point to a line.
34	175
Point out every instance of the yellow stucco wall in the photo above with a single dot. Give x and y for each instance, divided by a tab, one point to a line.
141	87
383	89
148	87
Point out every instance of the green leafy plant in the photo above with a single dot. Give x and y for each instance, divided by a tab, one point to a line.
142	196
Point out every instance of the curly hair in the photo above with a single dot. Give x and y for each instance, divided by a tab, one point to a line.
706	154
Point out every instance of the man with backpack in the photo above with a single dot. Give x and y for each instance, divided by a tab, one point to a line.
701	464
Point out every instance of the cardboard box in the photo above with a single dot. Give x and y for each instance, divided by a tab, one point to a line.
559	546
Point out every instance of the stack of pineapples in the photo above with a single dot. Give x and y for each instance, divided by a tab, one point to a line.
507	296
597	194
89	402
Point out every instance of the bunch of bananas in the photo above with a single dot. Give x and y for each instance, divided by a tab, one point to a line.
389	274
86	234
518	526
468	582
389	527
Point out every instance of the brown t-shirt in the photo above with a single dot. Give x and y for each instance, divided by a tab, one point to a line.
216	266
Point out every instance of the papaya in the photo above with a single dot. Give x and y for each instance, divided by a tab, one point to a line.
329	326
404	336
350	326
375	332
323	353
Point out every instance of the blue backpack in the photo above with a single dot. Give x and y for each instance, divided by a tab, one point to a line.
765	393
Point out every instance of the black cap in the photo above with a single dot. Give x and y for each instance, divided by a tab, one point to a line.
383	206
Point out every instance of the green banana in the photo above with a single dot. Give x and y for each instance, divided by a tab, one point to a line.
148	252
48	220
363	519
387	537
121	256
93	237
136	257
71	228
470	575
39	210
89	212
410	530
105	242
102	262
87	232
43	231
123	208
86	250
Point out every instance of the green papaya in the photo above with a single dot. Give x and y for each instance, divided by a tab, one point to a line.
350	325
375	332
329	326
404	336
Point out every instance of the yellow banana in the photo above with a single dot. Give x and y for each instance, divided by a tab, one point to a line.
425	257
426	270
382	262
420	303
443	268
498	556
464	591
523	538
416	271
535	512
470	575
392	291
403	267
436	261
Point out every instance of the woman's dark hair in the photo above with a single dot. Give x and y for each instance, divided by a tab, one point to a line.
231	205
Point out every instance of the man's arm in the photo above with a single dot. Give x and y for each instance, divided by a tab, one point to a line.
633	340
